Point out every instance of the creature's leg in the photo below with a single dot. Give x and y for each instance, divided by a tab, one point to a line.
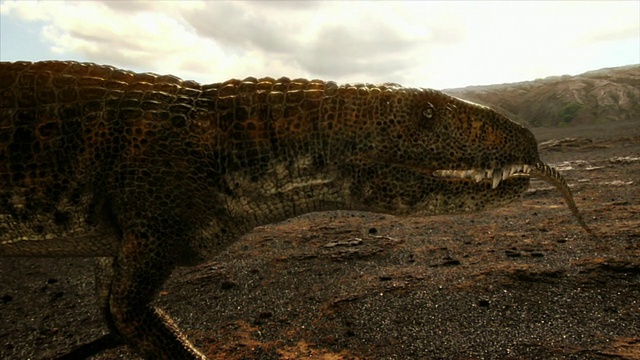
103	278
143	265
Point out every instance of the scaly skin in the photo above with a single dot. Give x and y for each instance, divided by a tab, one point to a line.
152	172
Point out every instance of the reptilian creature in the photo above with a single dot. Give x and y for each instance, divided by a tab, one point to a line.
151	172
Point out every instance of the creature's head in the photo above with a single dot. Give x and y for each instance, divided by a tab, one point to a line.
419	151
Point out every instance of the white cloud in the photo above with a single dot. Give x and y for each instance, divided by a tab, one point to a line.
433	44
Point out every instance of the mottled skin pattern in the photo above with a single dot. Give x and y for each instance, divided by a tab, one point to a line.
152	172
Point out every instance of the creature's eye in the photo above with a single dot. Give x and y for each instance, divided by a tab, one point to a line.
429	112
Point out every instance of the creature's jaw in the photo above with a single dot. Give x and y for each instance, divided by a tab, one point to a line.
503	177
495	176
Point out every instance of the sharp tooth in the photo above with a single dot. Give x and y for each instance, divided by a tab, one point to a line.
488	174
508	171
479	176
469	174
496	179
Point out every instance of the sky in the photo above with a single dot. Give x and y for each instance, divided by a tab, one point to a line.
414	43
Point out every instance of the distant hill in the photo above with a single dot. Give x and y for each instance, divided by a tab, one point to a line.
595	97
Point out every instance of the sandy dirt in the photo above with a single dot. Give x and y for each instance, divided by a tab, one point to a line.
519	282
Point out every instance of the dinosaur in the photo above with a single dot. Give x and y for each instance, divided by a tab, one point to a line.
148	172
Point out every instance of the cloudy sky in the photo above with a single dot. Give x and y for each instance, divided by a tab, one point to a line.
418	43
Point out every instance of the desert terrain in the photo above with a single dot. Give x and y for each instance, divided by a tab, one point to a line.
519	282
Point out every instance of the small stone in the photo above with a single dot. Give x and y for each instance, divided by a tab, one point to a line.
226	285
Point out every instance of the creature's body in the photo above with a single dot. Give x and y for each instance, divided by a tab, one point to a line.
154	172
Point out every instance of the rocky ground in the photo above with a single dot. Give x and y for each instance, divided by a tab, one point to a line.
520	282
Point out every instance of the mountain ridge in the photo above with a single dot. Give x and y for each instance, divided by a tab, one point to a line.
593	97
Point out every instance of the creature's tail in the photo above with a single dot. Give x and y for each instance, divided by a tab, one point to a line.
552	176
